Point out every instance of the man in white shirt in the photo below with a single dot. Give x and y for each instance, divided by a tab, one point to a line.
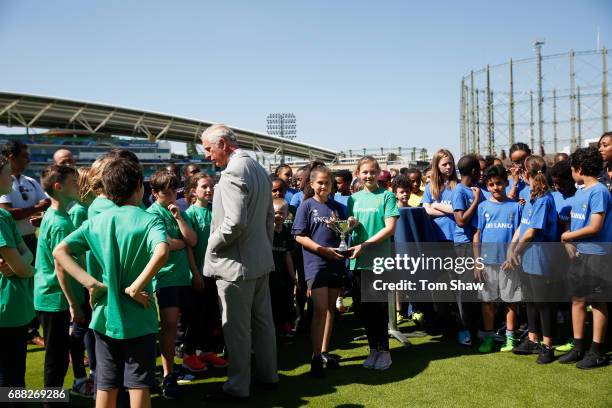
27	200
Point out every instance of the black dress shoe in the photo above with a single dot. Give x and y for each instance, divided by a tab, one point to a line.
222	396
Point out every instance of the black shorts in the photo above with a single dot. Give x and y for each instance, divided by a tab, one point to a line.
174	296
326	278
125	362
587	279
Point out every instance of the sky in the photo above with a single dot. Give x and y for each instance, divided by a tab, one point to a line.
355	73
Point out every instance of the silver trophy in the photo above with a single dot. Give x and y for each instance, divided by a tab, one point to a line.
342	227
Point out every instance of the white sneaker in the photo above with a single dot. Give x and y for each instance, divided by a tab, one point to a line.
371	360
383	361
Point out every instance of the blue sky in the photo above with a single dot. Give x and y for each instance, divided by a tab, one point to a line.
355	73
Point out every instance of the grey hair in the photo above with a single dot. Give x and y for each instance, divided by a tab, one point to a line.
215	133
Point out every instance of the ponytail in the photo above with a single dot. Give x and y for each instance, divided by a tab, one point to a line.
535	166
307	177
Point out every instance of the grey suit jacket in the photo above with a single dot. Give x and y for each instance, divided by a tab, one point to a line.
242	230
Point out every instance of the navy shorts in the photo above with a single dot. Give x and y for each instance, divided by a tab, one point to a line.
587	277
326	278
174	296
125	362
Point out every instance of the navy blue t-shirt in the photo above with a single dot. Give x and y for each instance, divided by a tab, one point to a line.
586	202
462	198
310	220
497	223
540	215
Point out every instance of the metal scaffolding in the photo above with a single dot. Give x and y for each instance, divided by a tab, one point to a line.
552	102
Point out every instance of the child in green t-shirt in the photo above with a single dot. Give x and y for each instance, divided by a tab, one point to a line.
78	211
131	247
205	331
82	337
16	301
172	284
376	211
58	298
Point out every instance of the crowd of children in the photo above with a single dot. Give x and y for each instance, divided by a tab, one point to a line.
115	273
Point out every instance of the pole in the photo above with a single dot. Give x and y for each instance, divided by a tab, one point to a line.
531	124
462	119
538	47
579	119
555	139
477	140
511	108
489	109
492	133
572	102
472	93
604	90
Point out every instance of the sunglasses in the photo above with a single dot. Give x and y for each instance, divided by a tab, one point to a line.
277	190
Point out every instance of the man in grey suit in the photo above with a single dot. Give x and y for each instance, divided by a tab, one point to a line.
239	256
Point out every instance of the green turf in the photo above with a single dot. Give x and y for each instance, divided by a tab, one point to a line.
430	372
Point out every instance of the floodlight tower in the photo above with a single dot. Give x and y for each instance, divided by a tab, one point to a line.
283	126
537	45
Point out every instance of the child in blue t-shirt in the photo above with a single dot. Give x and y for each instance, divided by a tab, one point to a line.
591	230
538	225
465	200
565	188
438	194
518	188
498	219
323	265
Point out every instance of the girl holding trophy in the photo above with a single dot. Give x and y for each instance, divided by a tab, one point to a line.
315	230
376	211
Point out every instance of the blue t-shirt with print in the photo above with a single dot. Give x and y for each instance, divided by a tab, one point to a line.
462	198
586	202
444	226
541	216
497	222
563	205
310	220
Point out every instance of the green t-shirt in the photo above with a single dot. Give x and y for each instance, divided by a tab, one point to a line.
98	205
371	210
78	214
176	272
199	218
122	241
48	294
16	298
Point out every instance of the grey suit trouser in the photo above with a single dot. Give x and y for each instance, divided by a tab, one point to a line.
246	315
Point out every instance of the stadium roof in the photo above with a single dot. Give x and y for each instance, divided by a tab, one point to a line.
34	111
